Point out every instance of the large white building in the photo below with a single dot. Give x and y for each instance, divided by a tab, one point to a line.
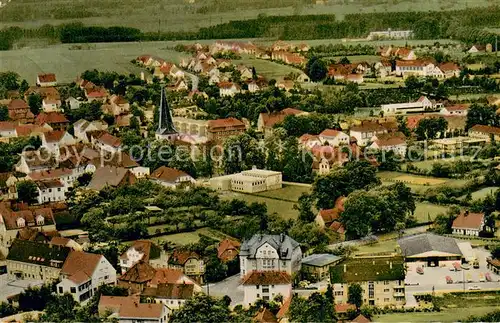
82	273
390	34
423	104
248	181
266	285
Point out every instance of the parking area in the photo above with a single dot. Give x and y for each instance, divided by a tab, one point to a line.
9	288
435	277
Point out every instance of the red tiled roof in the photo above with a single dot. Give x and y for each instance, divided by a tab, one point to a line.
180	257
360	319
142	246
10	217
224	123
227	244
267	278
284	308
25	130
307	137
47	78
485	129
270	119
368	126
336	226
330	133
50	174
17	104
227	85
449	66
7	125
51	118
264	315
392	141
343	308
130	307
168	174
109	139
97	93
416	62
139	273
468	220
79	266
54	136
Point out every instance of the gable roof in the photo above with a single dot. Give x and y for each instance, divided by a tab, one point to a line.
167	174
139	273
47	78
330	133
486	129
79	266
42	254
270	119
54	135
267	278
344	307
108	139
179	257
360	319
227	244
148	248
167	276
368	126
50	118
129	307
107	176
426	242
264	315
7	125
467	220
10	217
170	291
320	260
283	244
224	123
368	269
283	312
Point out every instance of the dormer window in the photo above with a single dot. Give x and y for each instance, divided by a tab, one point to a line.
21	222
40	220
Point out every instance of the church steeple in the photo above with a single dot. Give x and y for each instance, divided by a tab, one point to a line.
166	128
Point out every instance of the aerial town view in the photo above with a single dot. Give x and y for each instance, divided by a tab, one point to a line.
249	161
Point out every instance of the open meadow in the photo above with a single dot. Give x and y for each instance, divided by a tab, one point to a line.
418	184
446	315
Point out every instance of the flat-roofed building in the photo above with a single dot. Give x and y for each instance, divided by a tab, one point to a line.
250	181
457	143
318	265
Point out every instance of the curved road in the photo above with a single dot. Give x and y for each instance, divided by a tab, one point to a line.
195	80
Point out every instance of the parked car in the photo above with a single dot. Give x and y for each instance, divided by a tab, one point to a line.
456	265
468	278
475	264
452	268
488	277
465	266
474	287
449	280
481	277
420	270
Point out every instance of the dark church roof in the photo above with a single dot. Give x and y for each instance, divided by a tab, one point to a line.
165	124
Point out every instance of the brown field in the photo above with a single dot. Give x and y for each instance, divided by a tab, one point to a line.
416	180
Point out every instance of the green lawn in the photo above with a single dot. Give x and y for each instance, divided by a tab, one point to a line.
482	193
387	246
447	315
282	208
425	211
266	68
387	178
288	192
190	237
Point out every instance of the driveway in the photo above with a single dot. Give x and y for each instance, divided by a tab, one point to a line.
14	287
230	287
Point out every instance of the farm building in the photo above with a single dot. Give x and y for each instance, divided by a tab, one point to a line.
431	250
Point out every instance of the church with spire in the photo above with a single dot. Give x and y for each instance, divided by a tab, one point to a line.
166	129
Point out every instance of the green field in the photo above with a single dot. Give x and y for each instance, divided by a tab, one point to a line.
185	238
427	211
180	15
268	69
283	208
288	192
68	64
447	315
388	178
482	193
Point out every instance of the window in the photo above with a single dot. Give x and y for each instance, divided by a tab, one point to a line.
386	290
257	286
73	290
386	300
60	290
386	282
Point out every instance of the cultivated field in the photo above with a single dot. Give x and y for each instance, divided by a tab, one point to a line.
446	315
425	212
418	180
482	193
283	208
419	184
268	69
179	15
288	192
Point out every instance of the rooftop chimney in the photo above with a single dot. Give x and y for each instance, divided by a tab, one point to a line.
466	213
282	237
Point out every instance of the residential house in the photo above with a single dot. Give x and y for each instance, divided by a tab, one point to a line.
171	295
455	110
74	104
308	141
220	129
418	68
228	88
82	127
265	252
403	53
326	217
20	111
267	121
118	105
54	140
485	132
191	264
56	120
11	222
493	265
334	138
105	142
96	94
172	178
36	160
286	85
245	72
476	49
395	142
33	260
228	250
111	176
364	132
51	105
450	69
83	273
318	265
31	130
51	190
65	242
46	80
381	278
44	92
326	157
140	250
469	224
383	68
129	309
65	175
281	46
342	310
266	285
8	129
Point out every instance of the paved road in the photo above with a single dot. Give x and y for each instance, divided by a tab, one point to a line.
230	287
195	80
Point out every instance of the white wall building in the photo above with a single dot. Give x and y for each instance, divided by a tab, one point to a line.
51	191
423	104
249	181
266	285
82	273
334	138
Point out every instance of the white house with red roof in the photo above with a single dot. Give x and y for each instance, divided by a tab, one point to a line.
333	138
469	224
423	104
455	110
171	177
130	309
390	142
82	273
450	69
46	80
51	105
54	140
365	131
266	285
96	94
51	190
228	88
418	68
105	142
308	141
8	129
266	121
